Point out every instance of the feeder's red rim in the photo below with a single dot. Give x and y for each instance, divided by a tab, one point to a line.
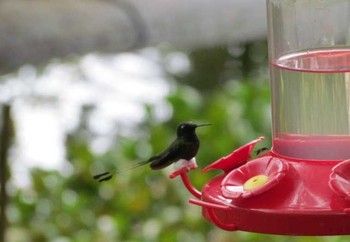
295	159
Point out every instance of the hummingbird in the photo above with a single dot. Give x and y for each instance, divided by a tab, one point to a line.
185	146
261	150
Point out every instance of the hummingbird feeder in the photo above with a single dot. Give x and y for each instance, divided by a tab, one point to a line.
302	185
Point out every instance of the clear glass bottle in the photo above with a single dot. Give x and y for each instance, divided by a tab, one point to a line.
309	53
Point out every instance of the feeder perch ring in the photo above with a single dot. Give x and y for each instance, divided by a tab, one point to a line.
260	175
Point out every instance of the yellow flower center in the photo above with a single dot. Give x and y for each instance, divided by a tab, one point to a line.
255	182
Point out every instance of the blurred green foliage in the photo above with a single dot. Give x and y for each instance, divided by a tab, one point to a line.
226	87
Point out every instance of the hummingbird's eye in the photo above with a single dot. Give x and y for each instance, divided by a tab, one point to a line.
182	126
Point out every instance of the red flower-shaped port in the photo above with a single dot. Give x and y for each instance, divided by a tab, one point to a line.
339	179
253	178
237	158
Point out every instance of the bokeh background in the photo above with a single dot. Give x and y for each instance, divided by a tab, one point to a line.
88	86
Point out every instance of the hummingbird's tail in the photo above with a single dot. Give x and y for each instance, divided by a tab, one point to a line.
105	176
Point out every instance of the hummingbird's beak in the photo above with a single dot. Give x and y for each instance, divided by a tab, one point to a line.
205	124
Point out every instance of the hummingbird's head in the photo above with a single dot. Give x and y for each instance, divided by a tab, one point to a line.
188	128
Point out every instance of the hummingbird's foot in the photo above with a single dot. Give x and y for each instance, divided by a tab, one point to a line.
182	166
188	164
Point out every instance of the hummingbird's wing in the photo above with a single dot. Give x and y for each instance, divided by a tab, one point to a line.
167	157
162	160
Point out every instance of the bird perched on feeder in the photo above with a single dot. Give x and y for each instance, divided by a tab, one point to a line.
184	147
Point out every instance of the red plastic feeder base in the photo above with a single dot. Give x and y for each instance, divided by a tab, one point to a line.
277	195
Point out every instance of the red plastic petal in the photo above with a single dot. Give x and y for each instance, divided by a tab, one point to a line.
339	179
237	158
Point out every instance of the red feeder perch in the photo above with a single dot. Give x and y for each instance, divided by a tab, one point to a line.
302	185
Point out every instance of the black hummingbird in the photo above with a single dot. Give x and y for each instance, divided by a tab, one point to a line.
185	146
261	150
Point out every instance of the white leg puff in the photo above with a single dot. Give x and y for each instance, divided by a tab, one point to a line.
188	164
